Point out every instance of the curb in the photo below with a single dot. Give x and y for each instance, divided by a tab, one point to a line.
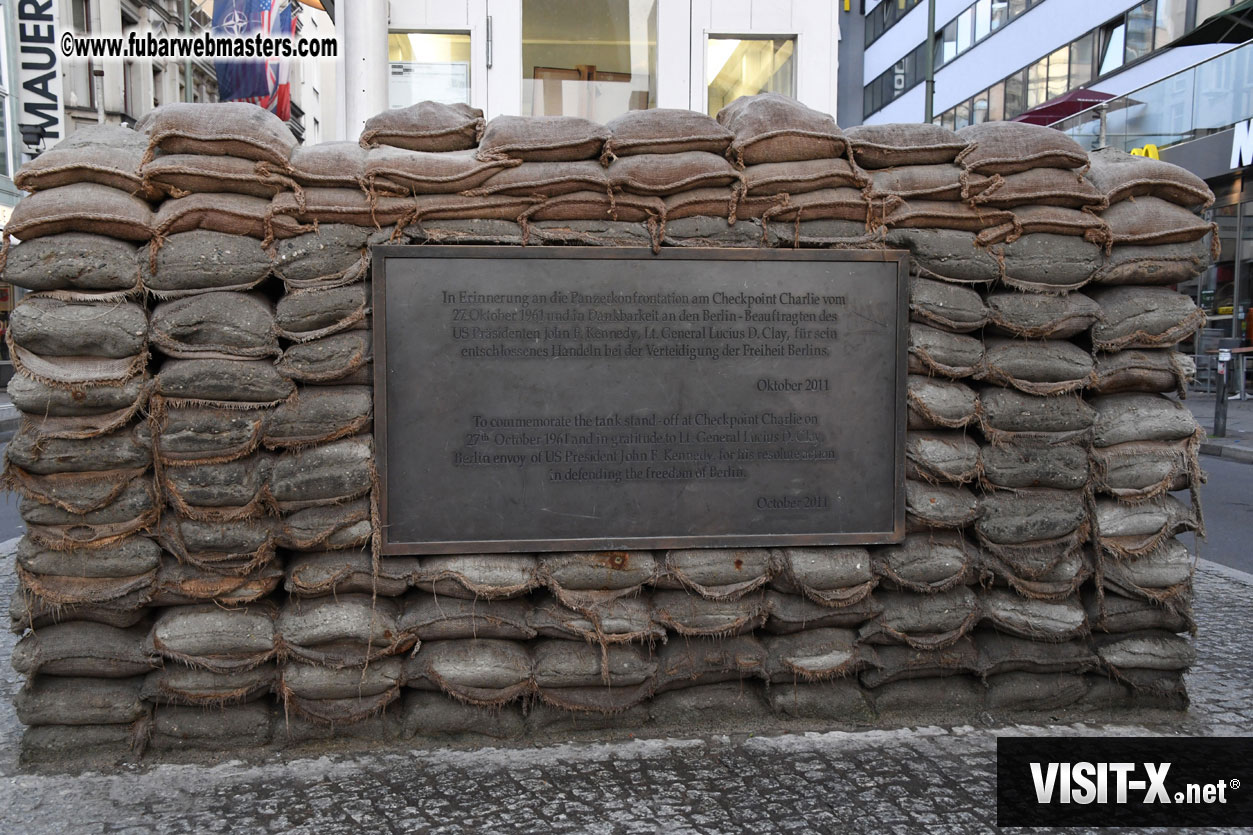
1229	452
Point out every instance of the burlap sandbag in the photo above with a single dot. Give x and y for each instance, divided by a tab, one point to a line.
885	664
1111	612
929	182
576	676
85	649
941	506
214	638
292	214
1043	187
82	207
232	214
238	384
1144	317
946	306
203	261
306	315
1037	620
933	351
770	127
188	436
215	325
417	172
1006	653
488	576
927	563
935	402
122	450
1025	517
317	415
349	630
716	573
1042	316
663	130
941	214
890	145
542	139
179	685
811	655
1160	370
923	621
1121	176
1044	262
219	492
43	400
182	728
791	613
332	473
1141	417
1151	220
1049	220
97	576
338	359
177	175
826	576
798	176
823	204
238	548
328	527
425	126
700	661
671	173
486	672
232	129
721	203
1140	470
941	457
618	621
133	511
339	697
74	265
106	154
545	179
334	255
1005	411
347	572
1155	264
1011	147
74	492
1047	366
54	328
945	254
60	700
180	584
1032	461
329	165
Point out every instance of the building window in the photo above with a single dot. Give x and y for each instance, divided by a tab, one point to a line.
1081	60
1140	24
591	58
428	66
884	16
1172	18
737	67
1113	36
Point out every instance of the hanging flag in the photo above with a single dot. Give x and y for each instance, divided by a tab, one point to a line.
265	83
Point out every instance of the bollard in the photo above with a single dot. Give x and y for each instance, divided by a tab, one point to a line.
1220	405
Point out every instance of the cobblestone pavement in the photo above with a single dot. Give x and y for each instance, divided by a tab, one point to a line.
908	780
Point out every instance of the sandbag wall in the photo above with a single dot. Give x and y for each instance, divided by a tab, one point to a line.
197	474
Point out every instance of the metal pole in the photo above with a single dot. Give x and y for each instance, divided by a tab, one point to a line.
365	63
930	59
1220	403
188	92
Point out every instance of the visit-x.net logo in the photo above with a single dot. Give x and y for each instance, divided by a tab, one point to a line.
1123	781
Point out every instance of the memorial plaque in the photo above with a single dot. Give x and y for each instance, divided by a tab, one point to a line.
568	398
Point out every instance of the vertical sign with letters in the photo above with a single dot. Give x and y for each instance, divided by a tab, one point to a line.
566	398
39	96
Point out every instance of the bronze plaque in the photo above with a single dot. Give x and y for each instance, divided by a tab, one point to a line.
570	398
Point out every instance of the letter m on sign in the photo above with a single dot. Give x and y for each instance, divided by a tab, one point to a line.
1242	144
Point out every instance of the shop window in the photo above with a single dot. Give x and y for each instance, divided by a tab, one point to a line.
1058	73
428	66
1015	94
1172	18
996	102
1038	82
979	110
961	115
1113	36
591	58
1140	23
1081	60
746	66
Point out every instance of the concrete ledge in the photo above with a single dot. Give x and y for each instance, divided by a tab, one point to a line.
1229	450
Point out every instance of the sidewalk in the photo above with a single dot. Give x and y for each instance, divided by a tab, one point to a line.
9	417
1237	444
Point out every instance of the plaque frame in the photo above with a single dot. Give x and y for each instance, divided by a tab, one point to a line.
381	254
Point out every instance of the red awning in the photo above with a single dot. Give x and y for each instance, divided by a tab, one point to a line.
1063	106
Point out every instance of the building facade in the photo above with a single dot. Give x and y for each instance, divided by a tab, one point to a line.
591	58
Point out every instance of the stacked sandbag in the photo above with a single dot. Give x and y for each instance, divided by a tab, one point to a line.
197	469
81	460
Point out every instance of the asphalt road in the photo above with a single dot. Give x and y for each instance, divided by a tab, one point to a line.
1227	499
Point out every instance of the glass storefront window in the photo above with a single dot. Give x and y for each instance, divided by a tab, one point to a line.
1081	61
1244	289
1171	19
1112	40
591	58
1037	82
961	115
428	66
746	66
1140	23
979	112
996	102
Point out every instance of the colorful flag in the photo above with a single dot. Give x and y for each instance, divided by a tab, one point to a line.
267	82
